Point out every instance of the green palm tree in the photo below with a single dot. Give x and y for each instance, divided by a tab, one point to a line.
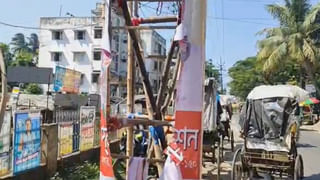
33	43
19	44
294	40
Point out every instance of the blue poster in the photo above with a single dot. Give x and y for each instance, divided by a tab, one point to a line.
27	154
58	80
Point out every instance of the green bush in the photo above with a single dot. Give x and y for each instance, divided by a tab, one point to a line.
33	89
84	171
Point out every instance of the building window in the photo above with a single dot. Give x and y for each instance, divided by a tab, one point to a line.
160	66
56	56
95	77
98	33
155	65
57	35
97	55
79	35
78	56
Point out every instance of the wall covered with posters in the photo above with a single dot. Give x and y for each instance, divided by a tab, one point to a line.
27	137
5	138
87	119
68	121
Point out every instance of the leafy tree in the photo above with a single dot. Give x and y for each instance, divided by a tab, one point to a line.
6	53
23	58
33	89
247	74
293	41
211	70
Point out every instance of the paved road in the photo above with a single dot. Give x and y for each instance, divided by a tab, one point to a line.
309	147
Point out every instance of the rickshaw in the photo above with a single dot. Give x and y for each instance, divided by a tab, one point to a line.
214	131
269	128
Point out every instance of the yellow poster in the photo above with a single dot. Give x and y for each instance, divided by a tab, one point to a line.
66	130
87	118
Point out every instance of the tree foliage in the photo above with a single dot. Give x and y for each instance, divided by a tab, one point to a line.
294	40
34	89
247	74
211	70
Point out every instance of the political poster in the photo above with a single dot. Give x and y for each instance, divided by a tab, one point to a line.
27	137
87	119
5	153
5	162
66	80
65	138
189	100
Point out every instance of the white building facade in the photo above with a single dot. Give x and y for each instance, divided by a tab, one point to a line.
75	43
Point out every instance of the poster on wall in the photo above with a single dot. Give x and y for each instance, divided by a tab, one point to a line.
5	135
5	163
87	119
27	138
65	134
66	80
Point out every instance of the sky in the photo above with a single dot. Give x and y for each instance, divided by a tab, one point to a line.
231	24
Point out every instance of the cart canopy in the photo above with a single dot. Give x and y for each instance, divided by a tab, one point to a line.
288	91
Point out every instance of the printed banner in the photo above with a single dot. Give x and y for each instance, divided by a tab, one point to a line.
27	153
5	135
5	162
189	101
65	134
96	134
106	170
67	80
87	119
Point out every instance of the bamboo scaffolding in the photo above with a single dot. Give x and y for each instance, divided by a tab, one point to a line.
143	27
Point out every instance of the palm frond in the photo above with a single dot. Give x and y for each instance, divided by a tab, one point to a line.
308	51
276	57
280	13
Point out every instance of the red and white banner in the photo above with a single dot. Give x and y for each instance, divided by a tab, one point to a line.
106	171
189	102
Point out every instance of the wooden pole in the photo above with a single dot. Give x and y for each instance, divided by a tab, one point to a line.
165	76
143	27
3	89
130	96
171	87
142	68
155	0
158	19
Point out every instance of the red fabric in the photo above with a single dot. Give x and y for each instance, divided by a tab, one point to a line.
136	21
120	3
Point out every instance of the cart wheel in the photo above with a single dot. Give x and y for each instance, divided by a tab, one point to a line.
219	161
298	168
232	141
221	148
237	167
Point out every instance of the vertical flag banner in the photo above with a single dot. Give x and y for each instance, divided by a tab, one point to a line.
106	171
87	117
5	135
189	102
27	151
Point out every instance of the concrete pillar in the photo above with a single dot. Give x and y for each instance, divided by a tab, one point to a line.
49	147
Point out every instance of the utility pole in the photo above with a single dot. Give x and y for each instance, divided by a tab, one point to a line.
221	69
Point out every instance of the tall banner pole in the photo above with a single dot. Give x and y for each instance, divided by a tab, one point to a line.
189	102
106	171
